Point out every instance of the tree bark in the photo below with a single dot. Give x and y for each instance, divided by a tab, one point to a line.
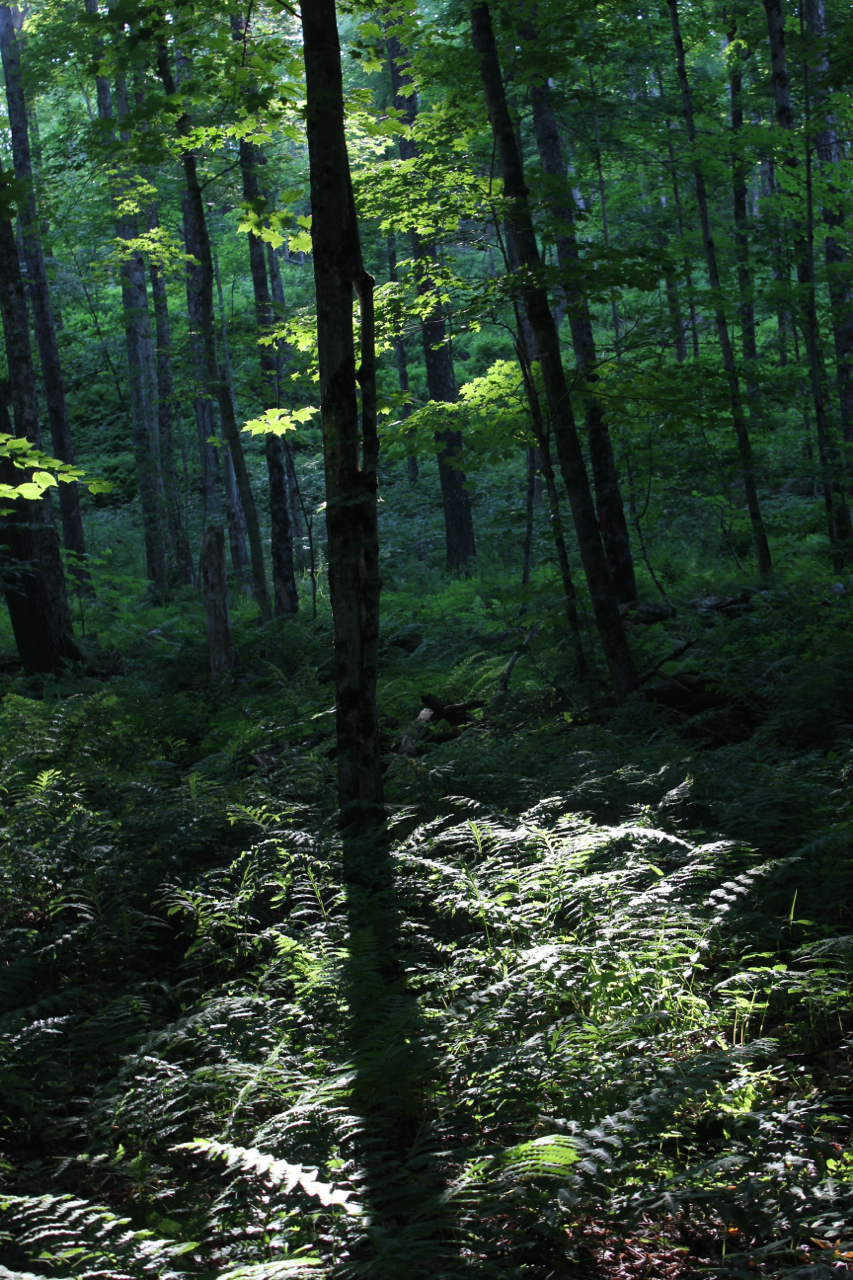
839	524
762	548
611	510
230	430
32	574
350	451
284	579
608	621
294	498
830	153
214	585
54	385
166	421
402	360
142	378
441	384
744	272
212	509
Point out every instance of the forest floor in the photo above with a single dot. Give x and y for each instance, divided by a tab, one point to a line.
627	932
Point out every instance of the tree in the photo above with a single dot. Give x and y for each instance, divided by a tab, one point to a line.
350	440
607	618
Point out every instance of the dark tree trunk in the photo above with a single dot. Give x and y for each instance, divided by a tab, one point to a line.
830	153
212	511
441	384
166	423
31	570
240	559
351	451
611	511
747	462
293	496
284	579
608	620
838	514
230	430
529	491
142	378
214	585
43	316
744	272
402	359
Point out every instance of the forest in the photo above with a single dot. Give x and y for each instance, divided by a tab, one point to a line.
426	683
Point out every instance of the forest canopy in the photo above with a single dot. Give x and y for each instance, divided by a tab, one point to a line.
426	697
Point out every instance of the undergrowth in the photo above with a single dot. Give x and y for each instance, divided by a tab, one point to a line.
633	995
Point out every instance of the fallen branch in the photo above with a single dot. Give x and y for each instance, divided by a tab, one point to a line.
647	675
503	683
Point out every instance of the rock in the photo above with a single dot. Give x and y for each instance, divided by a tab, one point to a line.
729	606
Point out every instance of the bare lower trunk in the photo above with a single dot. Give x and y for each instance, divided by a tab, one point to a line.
166	420
43	315
739	212
402	360
747	462
608	620
611	511
31	568
294	500
529	490
839	524
441	384
350	447
284	580
212	509
195	213
214	585
830	154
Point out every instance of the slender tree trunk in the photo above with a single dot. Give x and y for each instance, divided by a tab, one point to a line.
230	430
212	510
240	560
284	579
214	585
529	490
744	272
747	463
32	575
611	511
350	450
838	514
441	384
142	378
402	360
294	498
830	153
608	621
43	315
166	422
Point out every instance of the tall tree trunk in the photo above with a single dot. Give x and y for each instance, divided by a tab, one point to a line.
43	316
32	574
284	579
142	378
744	273
608	621
166	422
351	451
233	506
294	497
747	463
215	381
212	509
402	360
830	154
838	514
611	511
441	384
